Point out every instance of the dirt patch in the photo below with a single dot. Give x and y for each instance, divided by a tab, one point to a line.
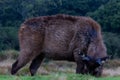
53	67
111	72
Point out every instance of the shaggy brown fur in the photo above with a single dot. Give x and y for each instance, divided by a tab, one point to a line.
59	37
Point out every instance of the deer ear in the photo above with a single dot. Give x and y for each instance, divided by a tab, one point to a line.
85	58
104	59
101	61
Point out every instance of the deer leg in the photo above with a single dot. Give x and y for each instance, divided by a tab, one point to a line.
81	69
20	62
78	60
36	62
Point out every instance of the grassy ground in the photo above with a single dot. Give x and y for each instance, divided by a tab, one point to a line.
53	70
57	77
50	71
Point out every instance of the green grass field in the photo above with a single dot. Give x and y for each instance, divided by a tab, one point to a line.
53	70
57	77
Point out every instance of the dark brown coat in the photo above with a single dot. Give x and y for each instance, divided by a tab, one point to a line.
59	37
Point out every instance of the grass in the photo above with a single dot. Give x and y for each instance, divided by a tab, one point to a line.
57	77
52	70
8	54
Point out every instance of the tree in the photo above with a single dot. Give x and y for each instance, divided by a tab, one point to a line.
108	16
8	38
112	42
14	12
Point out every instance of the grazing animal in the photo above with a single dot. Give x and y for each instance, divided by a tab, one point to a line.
61	37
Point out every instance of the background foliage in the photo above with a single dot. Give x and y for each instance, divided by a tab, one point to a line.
14	12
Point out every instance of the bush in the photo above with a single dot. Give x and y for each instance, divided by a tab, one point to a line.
112	42
108	16
8	38
8	54
113	63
